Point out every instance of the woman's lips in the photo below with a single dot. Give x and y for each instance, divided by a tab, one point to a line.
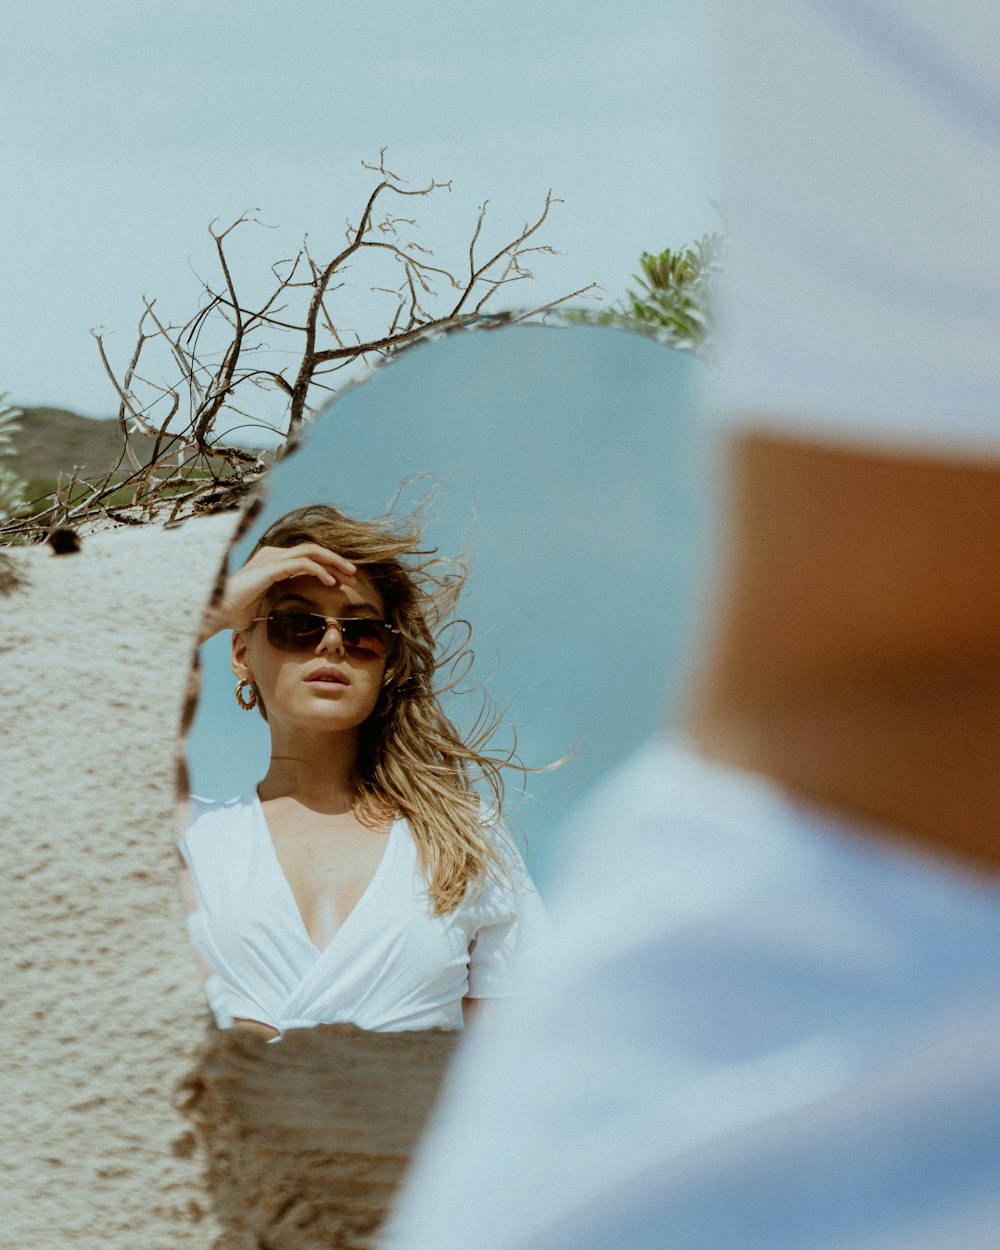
328	677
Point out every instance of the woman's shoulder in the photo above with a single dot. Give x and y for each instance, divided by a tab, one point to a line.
507	886
214	821
505	877
234	808
203	806
503	841
507	911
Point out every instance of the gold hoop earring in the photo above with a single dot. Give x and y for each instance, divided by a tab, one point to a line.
247	705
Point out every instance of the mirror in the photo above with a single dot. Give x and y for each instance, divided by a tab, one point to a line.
567	462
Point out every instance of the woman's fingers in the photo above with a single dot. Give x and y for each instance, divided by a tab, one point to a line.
266	568
281	558
340	564
245	588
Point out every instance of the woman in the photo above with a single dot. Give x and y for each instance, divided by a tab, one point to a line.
361	881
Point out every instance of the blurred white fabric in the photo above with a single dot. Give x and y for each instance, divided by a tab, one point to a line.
860	175
759	1027
754	1029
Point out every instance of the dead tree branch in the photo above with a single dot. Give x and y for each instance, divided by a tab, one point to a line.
185	383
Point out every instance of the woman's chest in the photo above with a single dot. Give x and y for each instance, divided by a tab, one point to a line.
328	871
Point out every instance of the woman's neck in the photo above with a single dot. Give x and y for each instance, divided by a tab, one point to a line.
315	769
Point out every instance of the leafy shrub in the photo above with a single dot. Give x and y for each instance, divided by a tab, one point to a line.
674	302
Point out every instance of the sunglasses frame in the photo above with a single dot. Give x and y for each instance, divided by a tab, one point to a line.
339	621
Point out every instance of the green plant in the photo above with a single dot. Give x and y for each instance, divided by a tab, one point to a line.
675	300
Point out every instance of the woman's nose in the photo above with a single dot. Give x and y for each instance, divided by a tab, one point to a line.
332	640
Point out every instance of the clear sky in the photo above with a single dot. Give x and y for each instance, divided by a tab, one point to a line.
128	127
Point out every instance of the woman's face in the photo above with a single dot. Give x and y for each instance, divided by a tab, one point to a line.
329	688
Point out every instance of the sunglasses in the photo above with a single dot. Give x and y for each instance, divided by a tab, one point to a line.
304	631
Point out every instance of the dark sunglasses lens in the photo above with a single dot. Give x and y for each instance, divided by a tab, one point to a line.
371	637
303	631
295	631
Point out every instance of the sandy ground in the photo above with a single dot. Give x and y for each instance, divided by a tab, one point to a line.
137	1123
305	1142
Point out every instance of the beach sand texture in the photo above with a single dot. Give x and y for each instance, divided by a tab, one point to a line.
305	1142
131	1122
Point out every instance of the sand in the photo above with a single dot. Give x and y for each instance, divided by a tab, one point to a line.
129	1120
306	1141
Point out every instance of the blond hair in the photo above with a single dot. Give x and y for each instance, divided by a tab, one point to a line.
413	761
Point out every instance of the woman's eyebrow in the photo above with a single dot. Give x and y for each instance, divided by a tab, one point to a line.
349	609
292	596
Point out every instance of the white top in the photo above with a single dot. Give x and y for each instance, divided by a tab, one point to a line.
860	182
753	1030
392	965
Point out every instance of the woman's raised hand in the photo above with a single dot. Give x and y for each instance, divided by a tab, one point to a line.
246	587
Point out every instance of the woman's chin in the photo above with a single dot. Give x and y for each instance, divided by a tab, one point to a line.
320	716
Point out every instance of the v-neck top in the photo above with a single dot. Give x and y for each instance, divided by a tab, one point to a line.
392	965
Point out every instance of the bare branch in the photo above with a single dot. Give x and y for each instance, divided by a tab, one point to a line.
189	466
544	308
126	405
420	266
380	167
526	233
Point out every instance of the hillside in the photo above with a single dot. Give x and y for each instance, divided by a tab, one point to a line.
54	440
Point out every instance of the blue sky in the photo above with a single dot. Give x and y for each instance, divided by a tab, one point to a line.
128	127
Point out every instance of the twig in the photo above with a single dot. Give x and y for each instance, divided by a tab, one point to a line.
188	467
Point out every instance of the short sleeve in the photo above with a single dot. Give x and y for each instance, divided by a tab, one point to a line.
197	935
511	925
224	1003
205	856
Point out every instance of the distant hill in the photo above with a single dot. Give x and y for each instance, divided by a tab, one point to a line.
54	440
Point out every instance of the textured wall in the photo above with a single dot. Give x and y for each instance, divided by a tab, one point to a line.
102	1010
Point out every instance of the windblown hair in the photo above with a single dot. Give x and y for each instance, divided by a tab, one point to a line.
413	761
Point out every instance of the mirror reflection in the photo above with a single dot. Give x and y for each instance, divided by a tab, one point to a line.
356	847
362	879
